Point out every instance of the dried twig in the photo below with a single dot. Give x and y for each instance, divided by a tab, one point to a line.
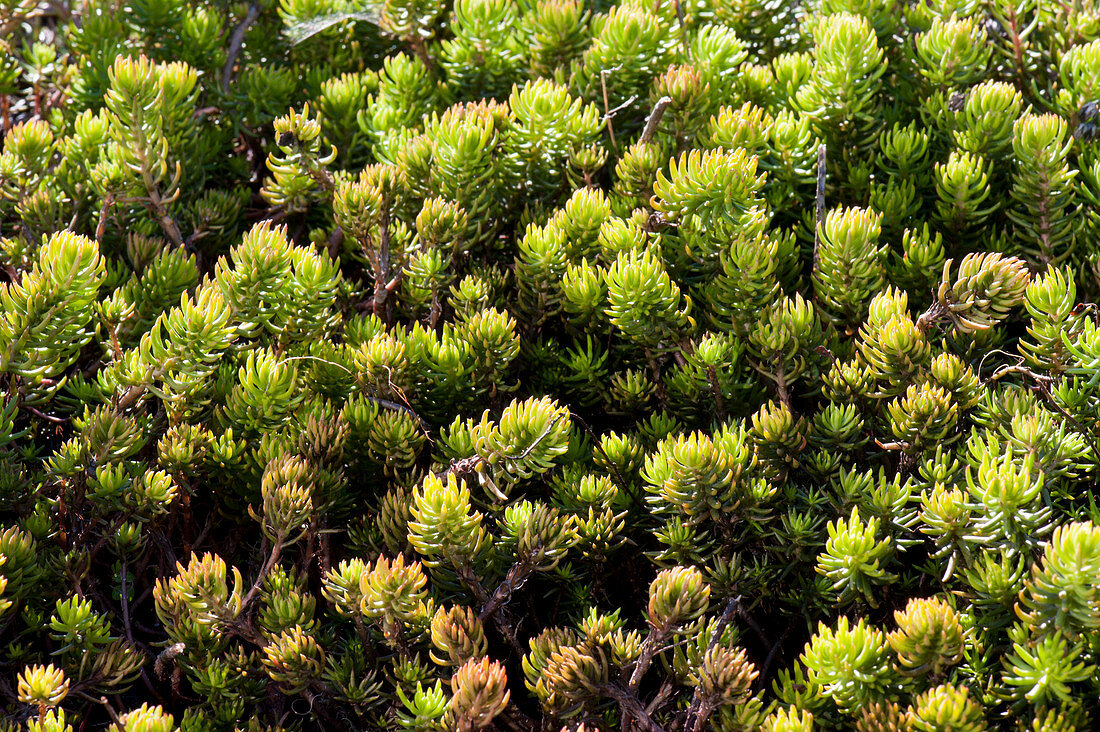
654	120
631	707
683	28
819	201
235	43
607	112
695	721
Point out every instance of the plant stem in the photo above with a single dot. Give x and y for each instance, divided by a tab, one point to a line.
235	44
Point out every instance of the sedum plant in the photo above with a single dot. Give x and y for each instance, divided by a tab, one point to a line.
549	365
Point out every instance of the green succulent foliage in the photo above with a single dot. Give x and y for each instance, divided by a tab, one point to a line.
47	315
549	365
1044	671
840	94
850	662
1044	183
852	558
849	266
947	707
929	638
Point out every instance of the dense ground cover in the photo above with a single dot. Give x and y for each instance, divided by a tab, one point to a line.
539	364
